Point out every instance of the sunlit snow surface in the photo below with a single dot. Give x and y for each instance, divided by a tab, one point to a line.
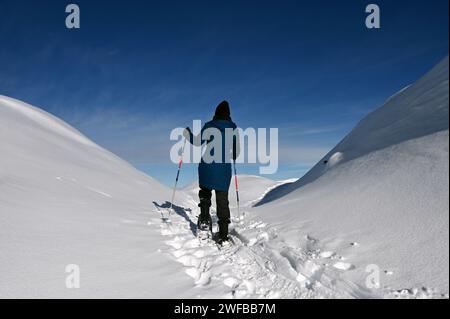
379	202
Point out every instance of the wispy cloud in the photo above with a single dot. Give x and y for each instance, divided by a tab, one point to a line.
291	130
133	136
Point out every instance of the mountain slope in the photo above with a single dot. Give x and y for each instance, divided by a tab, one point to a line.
382	196
65	200
416	111
380	200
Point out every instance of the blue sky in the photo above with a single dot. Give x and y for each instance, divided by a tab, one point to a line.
137	69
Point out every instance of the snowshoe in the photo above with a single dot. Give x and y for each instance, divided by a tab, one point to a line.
204	229
222	241
204	224
203	235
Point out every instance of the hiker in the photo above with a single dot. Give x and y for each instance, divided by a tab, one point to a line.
215	175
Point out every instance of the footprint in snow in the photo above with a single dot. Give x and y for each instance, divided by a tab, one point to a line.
176	243
199	253
250	286
252	241
257	224
311	239
205	279
200	273
327	254
231	282
178	253
301	279
192	243
264	236
166	232
343	266
238	289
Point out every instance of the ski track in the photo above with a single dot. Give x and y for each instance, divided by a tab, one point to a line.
259	265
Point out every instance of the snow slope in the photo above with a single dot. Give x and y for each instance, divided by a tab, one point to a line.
415	111
251	189
382	197
381	200
65	200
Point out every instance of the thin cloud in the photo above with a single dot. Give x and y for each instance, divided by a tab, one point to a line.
302	155
294	130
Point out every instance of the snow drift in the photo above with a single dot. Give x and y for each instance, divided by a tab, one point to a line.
381	196
64	200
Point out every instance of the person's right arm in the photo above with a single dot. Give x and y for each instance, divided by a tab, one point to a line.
195	140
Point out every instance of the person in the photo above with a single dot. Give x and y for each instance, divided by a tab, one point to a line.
215	175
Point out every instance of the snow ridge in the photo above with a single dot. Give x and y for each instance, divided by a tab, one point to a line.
44	120
418	110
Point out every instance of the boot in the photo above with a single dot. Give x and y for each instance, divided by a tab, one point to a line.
204	220
223	213
223	233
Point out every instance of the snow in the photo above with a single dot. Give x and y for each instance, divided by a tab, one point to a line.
379	200
415	111
383	196
65	200
251	189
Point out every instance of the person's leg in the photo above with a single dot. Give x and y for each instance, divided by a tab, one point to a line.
205	203
223	213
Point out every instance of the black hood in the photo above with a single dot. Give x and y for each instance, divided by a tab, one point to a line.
222	111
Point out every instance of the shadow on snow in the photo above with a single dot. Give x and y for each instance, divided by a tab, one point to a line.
181	211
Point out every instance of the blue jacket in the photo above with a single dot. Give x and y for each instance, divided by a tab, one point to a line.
213	175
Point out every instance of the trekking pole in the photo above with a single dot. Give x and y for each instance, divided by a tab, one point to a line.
237	190
180	164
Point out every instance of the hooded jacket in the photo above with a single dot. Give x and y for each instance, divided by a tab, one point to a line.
216	174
